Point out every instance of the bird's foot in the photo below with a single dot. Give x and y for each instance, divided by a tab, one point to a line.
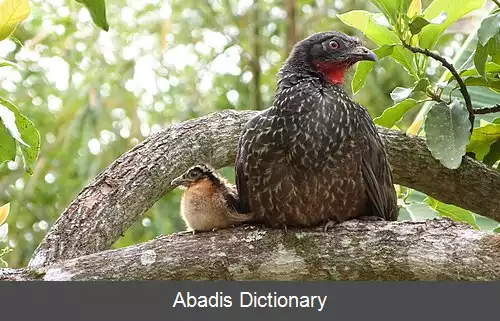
370	218
329	224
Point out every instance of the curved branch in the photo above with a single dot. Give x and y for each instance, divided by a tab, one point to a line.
453	71
487	110
353	250
98	216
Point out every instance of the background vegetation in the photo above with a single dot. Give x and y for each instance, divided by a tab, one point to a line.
92	94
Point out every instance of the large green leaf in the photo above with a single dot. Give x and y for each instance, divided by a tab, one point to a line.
490	27
456	213
29	134
97	9
364	21
7	145
12	12
447	131
490	68
429	36
489	82
393	114
482	138
364	67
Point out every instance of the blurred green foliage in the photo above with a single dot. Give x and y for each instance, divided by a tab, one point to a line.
93	95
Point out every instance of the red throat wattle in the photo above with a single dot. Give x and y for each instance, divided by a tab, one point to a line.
334	73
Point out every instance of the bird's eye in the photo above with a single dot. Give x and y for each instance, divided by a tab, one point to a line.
334	44
193	174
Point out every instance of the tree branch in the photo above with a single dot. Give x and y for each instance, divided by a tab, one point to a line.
453	71
487	110
354	250
120	194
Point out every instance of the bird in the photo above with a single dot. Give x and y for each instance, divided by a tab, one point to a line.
315	157
209	201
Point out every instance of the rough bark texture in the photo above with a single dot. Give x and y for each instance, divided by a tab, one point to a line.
354	250
135	181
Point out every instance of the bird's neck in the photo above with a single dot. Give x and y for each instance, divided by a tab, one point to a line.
332	72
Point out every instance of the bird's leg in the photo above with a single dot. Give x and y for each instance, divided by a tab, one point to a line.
372	218
330	223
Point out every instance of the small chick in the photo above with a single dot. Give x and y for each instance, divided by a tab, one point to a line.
209	201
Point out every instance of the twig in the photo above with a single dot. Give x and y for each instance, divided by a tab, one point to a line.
451	68
497	2
487	110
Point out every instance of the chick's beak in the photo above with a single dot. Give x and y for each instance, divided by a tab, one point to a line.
177	181
359	53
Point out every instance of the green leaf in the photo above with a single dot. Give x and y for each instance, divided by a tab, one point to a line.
456	213
447	131
497	229
429	36
400	94
392	8
493	48
9	120
6	63
489	28
415	8
491	83
29	135
482	138
364	21
490	68
480	57
493	155
97	9
364	67
12	12
419	211
7	145
393	114
417	24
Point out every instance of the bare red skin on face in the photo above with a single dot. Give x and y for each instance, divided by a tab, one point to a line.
334	73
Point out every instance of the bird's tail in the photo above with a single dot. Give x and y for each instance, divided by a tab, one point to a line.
242	218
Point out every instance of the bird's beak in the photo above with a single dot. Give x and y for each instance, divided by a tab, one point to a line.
359	53
178	181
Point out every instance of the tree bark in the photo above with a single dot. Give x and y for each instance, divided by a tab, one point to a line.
354	250
99	215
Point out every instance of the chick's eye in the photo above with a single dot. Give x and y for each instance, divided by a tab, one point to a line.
334	44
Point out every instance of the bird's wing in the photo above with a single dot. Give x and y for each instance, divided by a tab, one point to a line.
254	167
242	166
377	176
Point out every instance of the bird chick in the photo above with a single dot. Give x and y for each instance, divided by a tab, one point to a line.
209	201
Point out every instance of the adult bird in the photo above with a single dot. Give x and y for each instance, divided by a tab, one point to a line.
315	156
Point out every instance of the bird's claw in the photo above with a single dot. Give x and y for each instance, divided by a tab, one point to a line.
328	225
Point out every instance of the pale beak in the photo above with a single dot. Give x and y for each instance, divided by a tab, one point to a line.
178	181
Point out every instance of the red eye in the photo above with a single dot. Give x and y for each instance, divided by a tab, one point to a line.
333	44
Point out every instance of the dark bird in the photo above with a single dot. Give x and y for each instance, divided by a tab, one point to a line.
209	201
315	156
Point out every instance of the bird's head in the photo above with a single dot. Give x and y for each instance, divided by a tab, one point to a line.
328	53
194	175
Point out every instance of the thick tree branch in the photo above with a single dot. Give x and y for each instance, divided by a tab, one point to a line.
134	182
456	75
353	250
